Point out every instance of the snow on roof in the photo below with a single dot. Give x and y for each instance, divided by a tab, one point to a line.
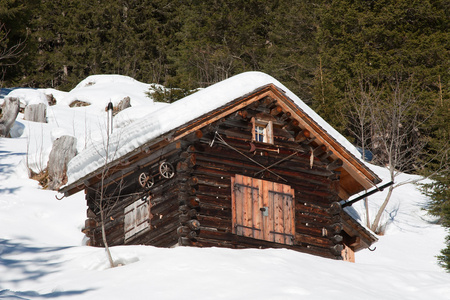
98	90
157	123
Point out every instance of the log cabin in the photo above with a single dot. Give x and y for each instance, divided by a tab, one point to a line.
241	164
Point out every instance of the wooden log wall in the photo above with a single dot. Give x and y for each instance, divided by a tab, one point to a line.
163	197
194	207
318	224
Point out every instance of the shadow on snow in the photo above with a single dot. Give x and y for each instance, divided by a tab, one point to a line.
18	257
4	155
8	294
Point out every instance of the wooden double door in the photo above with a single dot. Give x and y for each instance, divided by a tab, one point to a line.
263	210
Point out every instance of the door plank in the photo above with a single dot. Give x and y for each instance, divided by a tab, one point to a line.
249	198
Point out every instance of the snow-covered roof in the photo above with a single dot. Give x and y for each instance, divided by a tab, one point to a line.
98	90
157	123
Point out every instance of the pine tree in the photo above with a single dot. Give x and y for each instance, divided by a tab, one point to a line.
439	155
379	40
291	47
219	39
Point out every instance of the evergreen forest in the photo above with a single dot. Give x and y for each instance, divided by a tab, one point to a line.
378	71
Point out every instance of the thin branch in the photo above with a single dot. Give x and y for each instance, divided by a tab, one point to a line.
7	53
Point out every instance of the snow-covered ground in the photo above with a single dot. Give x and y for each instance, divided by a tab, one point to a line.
42	253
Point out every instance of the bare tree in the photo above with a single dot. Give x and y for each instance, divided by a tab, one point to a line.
358	114
396	138
213	64
106	200
385	119
102	206
9	55
106	204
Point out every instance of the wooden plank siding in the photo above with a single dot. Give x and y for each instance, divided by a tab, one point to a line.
263	210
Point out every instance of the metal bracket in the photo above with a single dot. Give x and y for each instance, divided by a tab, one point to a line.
265	211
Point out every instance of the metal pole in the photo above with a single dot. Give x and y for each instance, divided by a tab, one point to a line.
377	189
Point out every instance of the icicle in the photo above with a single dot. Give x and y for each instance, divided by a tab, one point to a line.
311	159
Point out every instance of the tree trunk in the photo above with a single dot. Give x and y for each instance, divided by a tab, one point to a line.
376	222
123	104
36	113
9	112
105	242
63	150
102	209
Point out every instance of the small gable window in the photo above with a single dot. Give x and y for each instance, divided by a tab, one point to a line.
137	216
262	131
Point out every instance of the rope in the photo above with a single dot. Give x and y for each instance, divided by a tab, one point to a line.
221	140
276	163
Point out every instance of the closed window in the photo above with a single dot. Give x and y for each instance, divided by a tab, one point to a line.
136	218
263	210
262	131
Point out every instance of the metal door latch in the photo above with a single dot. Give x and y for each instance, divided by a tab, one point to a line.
265	211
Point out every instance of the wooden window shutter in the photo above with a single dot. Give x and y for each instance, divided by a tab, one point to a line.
263	210
136	218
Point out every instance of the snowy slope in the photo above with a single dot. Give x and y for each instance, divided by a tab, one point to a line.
42	253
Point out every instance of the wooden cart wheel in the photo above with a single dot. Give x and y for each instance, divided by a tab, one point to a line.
166	170
146	181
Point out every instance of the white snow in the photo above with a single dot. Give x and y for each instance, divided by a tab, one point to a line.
28	96
98	90
42	253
